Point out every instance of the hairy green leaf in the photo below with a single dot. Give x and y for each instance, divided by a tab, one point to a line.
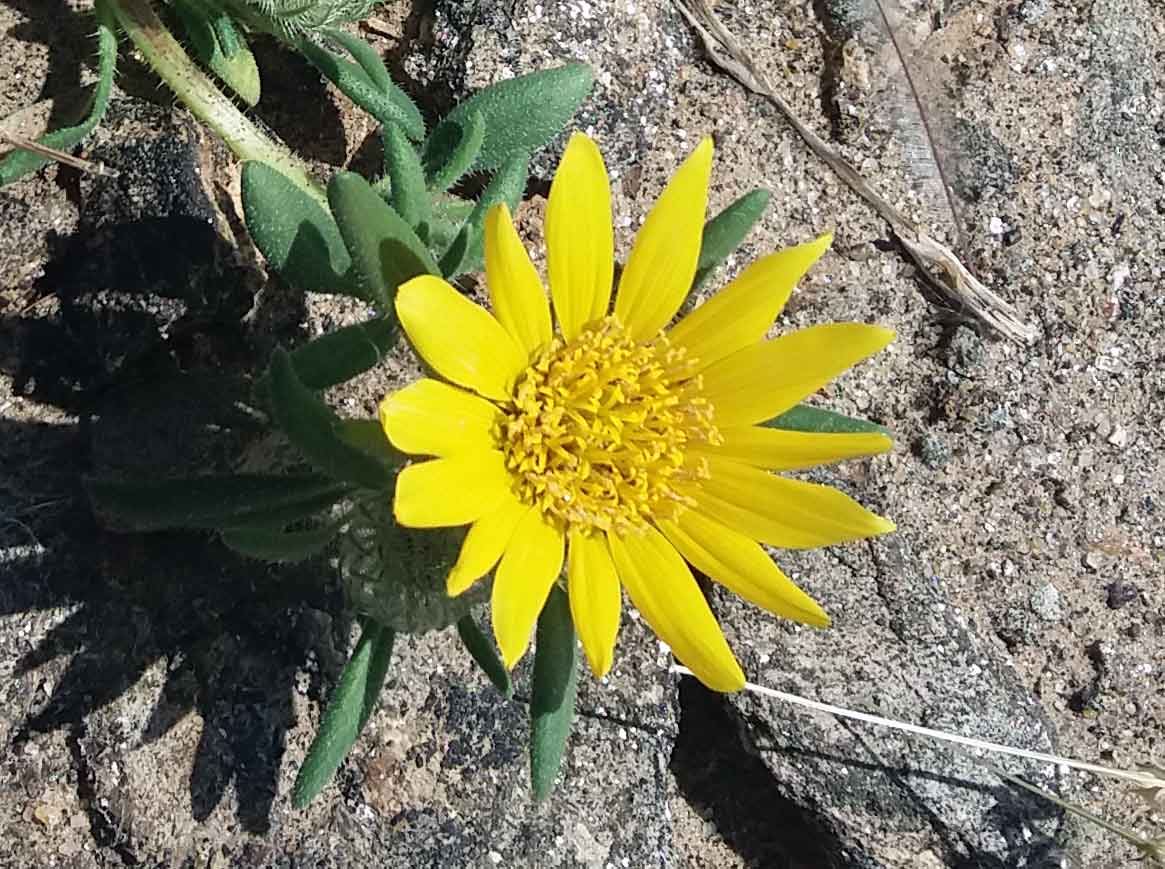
20	163
277	546
367	435
297	236
409	199
310	426
213	501
820	421
388	106
220	47
345	353
482	650
724	232
349	708
465	253
385	251
523	114
452	148
552	693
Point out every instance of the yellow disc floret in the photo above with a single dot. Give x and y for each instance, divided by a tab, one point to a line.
599	426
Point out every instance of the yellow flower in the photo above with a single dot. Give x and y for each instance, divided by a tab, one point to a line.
624	450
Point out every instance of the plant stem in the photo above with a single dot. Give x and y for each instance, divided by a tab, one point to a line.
173	65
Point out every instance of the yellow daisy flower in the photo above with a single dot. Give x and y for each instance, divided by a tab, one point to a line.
611	443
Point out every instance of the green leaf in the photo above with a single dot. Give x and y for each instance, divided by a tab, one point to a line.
297	236
483	652
310	426
448	216
451	208
220	47
373	66
821	421
275	545
345	353
724	232
20	163
385	251
553	692
351	704
523	114
388	106
465	253
367	435
214	501
452	148
410	199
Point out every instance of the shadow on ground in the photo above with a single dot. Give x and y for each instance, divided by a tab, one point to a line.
135	354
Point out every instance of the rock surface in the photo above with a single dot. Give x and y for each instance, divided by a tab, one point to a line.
157	695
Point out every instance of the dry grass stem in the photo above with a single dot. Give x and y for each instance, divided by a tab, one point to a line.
938	264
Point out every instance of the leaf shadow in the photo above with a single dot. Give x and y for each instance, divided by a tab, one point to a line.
132	375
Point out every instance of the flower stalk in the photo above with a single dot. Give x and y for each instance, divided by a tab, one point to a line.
209	104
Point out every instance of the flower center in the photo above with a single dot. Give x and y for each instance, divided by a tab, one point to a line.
599	426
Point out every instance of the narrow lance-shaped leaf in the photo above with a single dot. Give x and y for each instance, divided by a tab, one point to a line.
351	704
338	356
523	114
724	232
297	236
482	650
20	163
214	501
410	199
818	420
553	692
465	253
310	426
278	546
451	149
388	107
372	64
385	251
367	435
216	42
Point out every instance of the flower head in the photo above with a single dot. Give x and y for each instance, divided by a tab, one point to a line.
612	444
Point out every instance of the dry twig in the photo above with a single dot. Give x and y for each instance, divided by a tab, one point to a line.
67	159
938	264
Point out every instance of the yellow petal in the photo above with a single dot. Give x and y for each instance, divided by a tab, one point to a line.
484	544
461	340
432	418
595	599
741	313
791	514
515	291
531	563
663	589
763	381
741	565
779	450
445	492
662	263
580	247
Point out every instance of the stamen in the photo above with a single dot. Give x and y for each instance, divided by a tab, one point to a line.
598	429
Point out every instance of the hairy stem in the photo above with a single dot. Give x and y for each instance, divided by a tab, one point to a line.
173	65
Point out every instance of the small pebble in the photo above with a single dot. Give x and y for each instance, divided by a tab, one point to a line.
933	452
1046	603
1121	594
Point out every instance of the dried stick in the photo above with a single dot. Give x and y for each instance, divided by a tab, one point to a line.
26	144
938	264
